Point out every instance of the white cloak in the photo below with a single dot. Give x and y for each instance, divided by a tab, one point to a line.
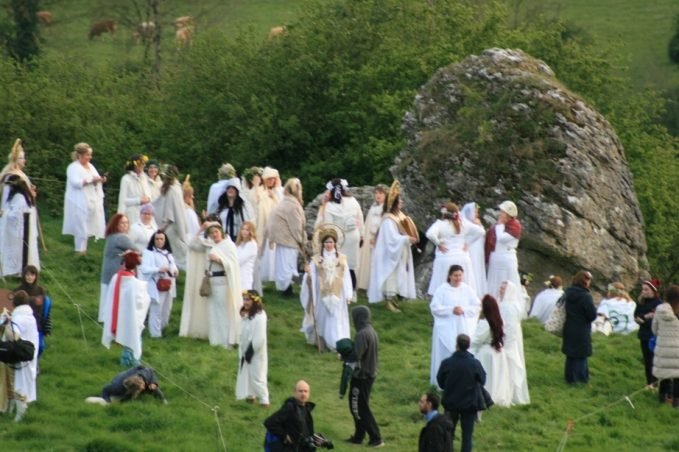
25	376
170	213
544	303
133	187
502	263
512	309
494	363
133	305
83	204
447	325
392	254
225	301
370	227
12	232
252	377
194	321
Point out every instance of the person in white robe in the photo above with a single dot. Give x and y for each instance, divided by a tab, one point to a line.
25	327
392	273
500	249
225	301
475	247
269	197
251	383
618	309
450	236
170	213
488	347
153	179
512	311
370	227
287	231
217	189
142	230
455	307
134	188
117	244
327	286
344	211
246	247
158	263
83	200
192	220
545	301
194	319
127	304
18	228
253	188
233	209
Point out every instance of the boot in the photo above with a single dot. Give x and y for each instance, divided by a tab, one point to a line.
391	306
288	293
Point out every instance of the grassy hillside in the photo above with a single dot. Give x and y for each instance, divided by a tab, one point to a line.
197	377
641	28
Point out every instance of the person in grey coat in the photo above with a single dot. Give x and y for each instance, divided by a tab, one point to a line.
666	357
577	331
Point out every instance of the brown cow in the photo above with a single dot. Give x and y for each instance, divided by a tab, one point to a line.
184	22
103	26
277	31
44	17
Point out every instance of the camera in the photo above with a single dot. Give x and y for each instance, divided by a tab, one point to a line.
317	440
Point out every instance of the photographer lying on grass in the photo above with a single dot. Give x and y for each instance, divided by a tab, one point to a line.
129	385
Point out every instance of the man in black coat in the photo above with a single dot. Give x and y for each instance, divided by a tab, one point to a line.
462	378
437	435
292	424
577	330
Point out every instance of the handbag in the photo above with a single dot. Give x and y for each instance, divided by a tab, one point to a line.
557	318
164	284
17	351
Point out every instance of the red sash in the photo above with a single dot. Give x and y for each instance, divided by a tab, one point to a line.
116	299
512	227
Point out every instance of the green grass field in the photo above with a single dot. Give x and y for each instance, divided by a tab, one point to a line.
640	28
197	377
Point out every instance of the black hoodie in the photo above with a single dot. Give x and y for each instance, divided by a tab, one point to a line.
366	344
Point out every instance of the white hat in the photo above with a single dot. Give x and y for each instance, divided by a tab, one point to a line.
269	172
233	182
509	208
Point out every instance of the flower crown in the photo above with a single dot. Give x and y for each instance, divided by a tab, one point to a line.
142	159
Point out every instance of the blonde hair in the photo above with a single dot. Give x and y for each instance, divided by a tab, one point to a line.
617	289
135	385
253	232
293	187
80	149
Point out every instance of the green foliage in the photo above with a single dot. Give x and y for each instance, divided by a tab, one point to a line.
673	46
21	30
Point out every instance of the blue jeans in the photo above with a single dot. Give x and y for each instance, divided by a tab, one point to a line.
576	370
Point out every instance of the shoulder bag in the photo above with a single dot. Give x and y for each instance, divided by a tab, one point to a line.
557	318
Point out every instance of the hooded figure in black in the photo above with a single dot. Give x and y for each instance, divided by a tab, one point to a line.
365	355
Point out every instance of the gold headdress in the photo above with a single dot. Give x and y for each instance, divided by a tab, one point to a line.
394	191
324	231
186	185
17	149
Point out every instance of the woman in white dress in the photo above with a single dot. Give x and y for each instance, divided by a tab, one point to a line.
134	188
475	243
153	179
618	308
544	302
192	220
327	286
251	383
233	209
157	264
488	347
171	215
392	272
370	227
342	210
455	307
18	228
142	230
84	199
246	247
269	197
450	235
500	249
512	311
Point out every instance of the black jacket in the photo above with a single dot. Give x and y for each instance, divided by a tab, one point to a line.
462	378
641	310
366	344
437	435
577	331
292	420
117	388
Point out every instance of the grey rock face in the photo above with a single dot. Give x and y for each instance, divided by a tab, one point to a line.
500	126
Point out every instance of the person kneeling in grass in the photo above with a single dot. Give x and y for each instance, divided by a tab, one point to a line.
129	385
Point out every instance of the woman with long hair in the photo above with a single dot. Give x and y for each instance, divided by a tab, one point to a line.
134	188
117	244
18	228
488	347
253	365
157	264
246	247
450	235
84	199
649	300
501	243
232	208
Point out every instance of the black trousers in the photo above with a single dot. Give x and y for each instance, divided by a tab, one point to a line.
648	361
359	405
468	419
669	389
576	370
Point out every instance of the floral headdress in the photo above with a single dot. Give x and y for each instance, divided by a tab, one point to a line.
136	159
